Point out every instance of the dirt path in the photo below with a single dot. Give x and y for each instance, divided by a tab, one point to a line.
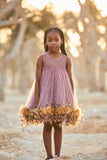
87	142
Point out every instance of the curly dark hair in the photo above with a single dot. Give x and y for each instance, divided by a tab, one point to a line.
62	47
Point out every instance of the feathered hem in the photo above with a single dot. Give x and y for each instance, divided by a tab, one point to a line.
68	115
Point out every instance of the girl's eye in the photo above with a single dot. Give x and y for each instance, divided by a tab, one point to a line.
57	40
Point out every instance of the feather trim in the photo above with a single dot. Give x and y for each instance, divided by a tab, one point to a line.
69	115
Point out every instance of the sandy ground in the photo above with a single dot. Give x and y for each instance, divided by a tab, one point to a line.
86	142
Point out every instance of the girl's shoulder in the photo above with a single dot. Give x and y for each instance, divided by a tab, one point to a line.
40	57
39	60
68	60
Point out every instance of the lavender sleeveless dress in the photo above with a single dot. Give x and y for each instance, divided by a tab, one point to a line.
57	103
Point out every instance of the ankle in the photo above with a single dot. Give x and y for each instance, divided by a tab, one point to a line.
49	157
57	155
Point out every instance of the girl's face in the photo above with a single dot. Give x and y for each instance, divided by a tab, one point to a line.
53	41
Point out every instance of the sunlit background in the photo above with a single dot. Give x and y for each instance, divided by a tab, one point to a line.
83	23
70	5
59	8
22	26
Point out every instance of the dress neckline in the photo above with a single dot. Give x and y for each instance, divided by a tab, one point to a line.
52	57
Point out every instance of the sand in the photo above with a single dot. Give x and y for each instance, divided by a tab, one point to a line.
86	142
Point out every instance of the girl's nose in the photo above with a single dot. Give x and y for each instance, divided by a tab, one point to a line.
53	42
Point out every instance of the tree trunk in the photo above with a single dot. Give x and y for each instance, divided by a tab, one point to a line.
16	49
13	84
2	81
102	77
92	76
22	85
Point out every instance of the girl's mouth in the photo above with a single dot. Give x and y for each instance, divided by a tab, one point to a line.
53	47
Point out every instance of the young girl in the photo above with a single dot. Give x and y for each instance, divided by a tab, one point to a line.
52	99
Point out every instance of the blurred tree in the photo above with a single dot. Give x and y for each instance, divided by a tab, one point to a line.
23	44
24	25
86	25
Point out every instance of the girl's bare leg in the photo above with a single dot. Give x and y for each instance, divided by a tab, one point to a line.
47	138
57	139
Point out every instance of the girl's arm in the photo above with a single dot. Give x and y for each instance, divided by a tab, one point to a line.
68	68
39	65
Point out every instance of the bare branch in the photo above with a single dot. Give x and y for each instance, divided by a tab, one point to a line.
8	8
6	23
16	49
